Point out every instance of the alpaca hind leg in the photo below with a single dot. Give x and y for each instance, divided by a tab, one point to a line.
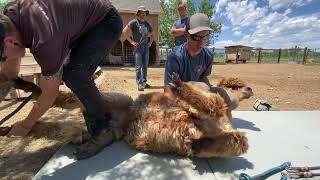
225	145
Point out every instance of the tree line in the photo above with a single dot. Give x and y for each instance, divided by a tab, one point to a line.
170	14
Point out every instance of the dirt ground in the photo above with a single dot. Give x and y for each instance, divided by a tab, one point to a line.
288	86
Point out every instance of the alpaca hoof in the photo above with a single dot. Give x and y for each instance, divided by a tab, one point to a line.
4	130
176	79
242	143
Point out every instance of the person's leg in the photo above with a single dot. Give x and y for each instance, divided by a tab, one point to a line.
145	64
138	66
91	49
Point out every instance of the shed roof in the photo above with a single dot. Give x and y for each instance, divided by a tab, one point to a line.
239	46
131	6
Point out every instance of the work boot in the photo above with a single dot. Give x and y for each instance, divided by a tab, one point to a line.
94	145
147	86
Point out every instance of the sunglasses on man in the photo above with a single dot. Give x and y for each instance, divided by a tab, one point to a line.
199	38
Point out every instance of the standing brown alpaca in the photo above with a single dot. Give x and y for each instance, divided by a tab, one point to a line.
198	123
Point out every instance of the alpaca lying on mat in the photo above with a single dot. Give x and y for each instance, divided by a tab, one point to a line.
199	123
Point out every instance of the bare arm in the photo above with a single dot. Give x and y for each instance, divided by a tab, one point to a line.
128	34
50	90
168	93
151	38
10	68
178	32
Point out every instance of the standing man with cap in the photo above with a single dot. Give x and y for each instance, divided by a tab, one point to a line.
192	61
140	34
84	31
179	27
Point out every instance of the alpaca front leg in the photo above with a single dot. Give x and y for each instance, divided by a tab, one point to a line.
225	145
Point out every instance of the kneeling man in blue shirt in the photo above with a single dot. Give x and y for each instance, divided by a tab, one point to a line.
192	61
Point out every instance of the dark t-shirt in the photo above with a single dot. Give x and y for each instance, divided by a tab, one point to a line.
51	27
140	32
181	23
189	68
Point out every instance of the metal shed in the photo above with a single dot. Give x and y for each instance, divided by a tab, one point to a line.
237	53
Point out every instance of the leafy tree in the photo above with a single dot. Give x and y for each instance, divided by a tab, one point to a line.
3	4
170	14
191	7
207	8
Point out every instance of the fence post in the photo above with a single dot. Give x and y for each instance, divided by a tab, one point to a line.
237	56
304	55
295	54
279	55
259	55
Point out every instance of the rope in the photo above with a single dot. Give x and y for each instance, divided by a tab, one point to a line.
16	110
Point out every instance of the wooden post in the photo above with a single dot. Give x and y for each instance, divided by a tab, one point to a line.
304	55
295	54
259	55
122	53
237	56
279	55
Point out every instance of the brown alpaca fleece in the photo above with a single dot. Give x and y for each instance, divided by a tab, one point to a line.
67	100
62	131
198	123
231	83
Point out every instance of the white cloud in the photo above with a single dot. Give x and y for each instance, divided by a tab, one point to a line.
277	30
244	13
222	44
225	28
238	33
220	5
270	28
284	4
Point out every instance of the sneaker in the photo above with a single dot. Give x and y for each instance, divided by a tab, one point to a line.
140	88
147	86
94	145
262	105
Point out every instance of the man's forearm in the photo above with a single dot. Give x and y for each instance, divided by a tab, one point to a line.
168	93
127	33
151	39
178	32
50	90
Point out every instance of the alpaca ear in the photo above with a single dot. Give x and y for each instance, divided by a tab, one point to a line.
222	82
233	83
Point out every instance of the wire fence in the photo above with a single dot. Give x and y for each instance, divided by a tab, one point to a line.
125	56
266	56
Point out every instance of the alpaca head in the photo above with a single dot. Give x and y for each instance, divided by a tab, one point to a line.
236	87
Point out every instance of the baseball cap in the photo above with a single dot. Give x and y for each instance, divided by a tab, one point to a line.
182	6
199	22
144	9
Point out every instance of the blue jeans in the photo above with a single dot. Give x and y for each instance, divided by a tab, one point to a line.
142	61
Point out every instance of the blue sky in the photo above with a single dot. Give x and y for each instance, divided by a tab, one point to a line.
268	23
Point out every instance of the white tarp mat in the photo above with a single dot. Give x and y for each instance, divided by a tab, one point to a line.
274	137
